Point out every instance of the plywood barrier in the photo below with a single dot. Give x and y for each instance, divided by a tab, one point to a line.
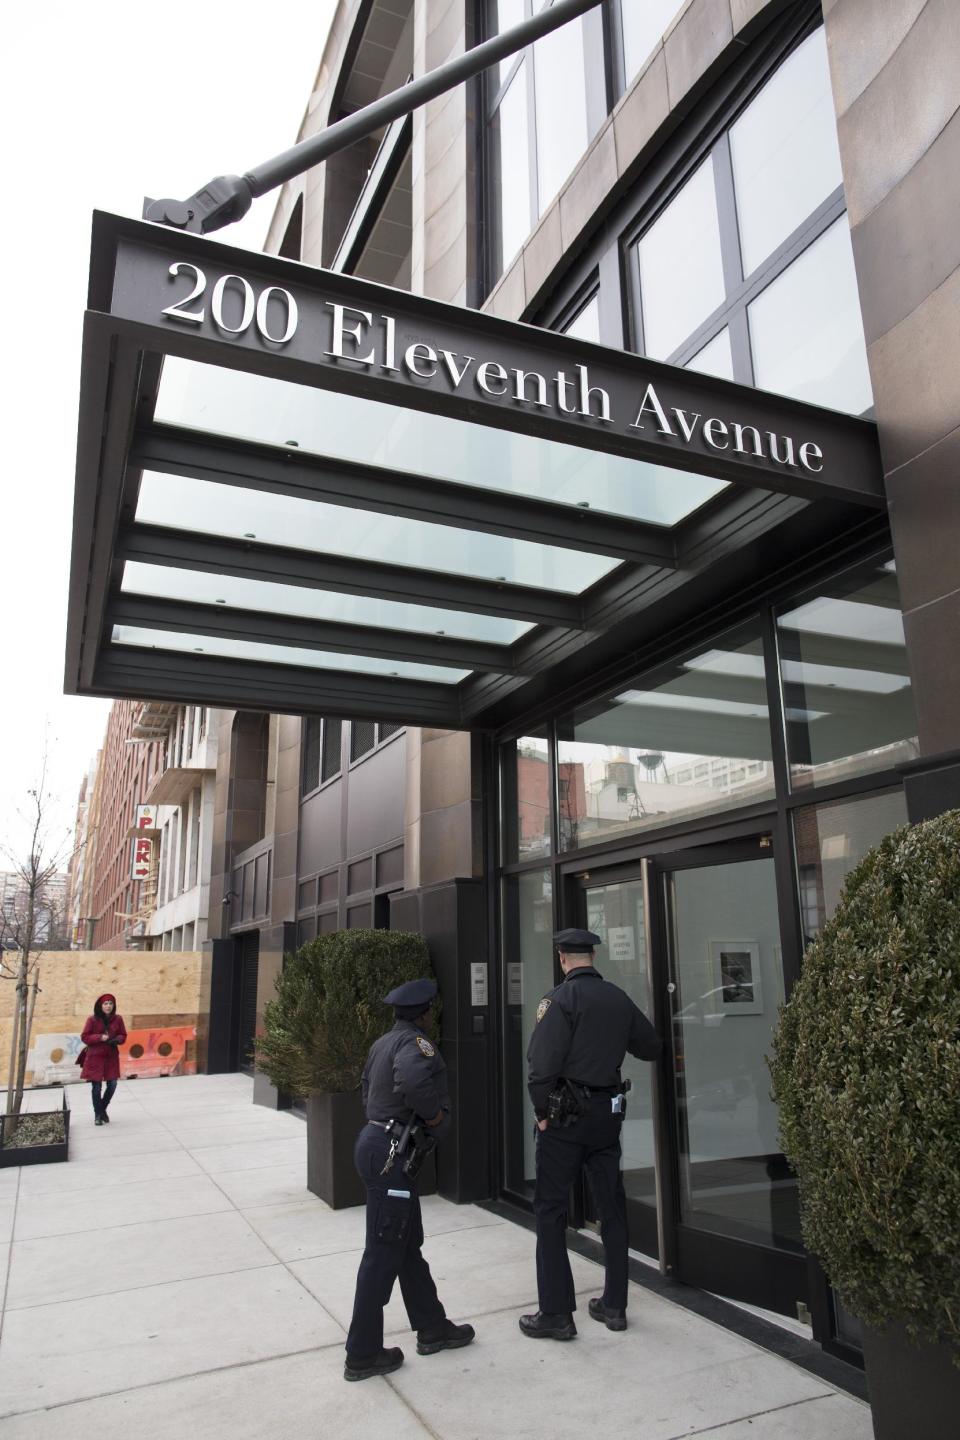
158	995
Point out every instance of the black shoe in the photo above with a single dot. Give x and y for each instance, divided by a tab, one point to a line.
105	1118
450	1337
382	1364
548	1327
613	1319
98	1120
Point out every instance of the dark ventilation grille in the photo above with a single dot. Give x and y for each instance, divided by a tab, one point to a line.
363	737
311	753
331	748
249	958
385	731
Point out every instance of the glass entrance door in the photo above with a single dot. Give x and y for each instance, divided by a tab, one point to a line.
613	906
735	1207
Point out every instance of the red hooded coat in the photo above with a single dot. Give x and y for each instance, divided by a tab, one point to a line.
102	1060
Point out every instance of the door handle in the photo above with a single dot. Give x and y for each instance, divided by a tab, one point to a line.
671	988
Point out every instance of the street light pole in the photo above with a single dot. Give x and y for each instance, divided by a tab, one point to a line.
228	197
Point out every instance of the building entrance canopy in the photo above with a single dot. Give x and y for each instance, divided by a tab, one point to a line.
301	492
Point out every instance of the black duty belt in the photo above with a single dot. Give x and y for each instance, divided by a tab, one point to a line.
596	1089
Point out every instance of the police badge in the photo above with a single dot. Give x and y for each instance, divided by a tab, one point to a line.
425	1047
542	1009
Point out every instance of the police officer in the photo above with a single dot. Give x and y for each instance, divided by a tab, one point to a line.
584	1028
404	1079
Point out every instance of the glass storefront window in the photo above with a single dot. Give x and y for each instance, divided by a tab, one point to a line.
529	974
846	685
681	270
642	26
525	804
786	160
830	841
806	330
510	147
692	738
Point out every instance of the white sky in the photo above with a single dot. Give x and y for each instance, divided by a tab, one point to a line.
100	104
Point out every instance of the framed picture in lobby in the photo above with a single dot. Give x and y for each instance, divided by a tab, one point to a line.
735	972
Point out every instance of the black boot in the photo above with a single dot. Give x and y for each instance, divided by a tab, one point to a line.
98	1119
446	1337
548	1327
361	1367
607	1315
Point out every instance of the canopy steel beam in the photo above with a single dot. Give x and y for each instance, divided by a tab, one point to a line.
154	545
285	690
173	451
156	613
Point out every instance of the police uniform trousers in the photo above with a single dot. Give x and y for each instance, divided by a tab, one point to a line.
392	1251
591	1144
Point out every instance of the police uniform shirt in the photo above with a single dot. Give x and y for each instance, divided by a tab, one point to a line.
404	1076
585	1026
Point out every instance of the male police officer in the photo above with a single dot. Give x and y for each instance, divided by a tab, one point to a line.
407	1104
584	1028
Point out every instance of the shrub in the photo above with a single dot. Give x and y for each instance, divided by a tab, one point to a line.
329	1007
866	1072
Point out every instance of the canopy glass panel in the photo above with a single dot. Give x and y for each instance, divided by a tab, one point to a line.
344	427
201	506
167	582
280	654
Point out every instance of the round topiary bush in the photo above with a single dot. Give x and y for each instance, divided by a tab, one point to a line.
866	1073
329	1007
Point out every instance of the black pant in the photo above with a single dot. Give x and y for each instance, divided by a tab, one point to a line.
392	1251
100	1105
592	1144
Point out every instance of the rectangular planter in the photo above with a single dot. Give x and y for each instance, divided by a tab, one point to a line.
34	1154
914	1389
333	1124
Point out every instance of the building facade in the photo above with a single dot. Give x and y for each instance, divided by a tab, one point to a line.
754	191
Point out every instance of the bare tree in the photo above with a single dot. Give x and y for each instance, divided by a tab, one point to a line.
30	923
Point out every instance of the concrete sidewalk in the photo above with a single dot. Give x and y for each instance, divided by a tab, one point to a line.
176	1275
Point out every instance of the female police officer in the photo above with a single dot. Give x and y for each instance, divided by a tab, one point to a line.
584	1028
404	1088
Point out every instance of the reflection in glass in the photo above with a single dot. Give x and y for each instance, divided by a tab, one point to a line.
725	961
561	107
681	272
616	913
716	358
845	679
586	323
525	807
401	440
691	739
786	159
510	159
830	841
240	649
529	965
643	25
806	330
272	598
203	507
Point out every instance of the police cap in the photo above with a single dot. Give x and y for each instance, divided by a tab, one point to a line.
576	942
413	992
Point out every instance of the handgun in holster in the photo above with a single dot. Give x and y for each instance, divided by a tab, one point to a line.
409	1143
565	1105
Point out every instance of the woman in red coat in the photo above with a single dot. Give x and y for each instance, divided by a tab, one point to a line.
103	1035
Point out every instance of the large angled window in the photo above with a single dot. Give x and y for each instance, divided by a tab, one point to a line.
747	272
